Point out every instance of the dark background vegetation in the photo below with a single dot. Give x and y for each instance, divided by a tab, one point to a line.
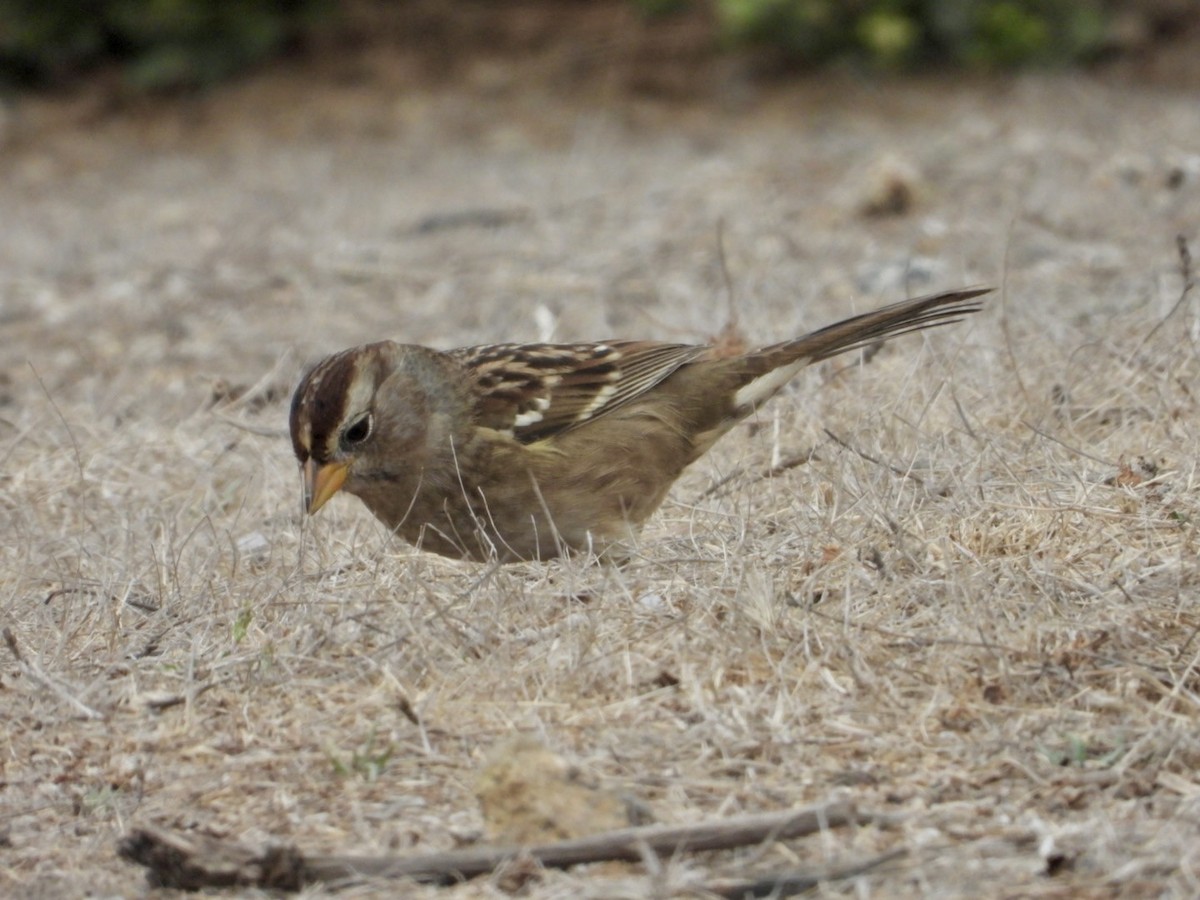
173	44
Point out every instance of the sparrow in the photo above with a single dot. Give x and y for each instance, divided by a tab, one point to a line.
533	451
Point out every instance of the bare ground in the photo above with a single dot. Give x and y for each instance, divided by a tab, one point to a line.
976	611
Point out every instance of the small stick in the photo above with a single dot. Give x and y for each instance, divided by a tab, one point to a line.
196	861
33	672
1066	446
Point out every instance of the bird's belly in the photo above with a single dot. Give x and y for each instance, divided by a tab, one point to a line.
514	518
514	501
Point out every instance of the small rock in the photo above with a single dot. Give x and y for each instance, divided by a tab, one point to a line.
891	187
530	795
253	544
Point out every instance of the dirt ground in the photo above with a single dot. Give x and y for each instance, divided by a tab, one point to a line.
954	583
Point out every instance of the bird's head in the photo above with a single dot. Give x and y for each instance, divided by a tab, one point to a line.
372	416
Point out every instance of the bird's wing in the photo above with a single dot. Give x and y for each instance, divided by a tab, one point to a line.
537	390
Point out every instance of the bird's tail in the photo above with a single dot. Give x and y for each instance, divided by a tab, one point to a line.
770	368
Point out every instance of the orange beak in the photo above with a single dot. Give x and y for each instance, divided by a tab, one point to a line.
321	484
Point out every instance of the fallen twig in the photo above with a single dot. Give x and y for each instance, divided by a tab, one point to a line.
193	862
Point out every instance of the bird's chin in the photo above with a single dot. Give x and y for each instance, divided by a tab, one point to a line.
395	498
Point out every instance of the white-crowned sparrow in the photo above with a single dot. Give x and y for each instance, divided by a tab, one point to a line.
527	451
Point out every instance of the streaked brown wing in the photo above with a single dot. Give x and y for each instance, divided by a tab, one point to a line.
535	390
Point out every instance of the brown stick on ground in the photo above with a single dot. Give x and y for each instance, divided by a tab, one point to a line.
194	861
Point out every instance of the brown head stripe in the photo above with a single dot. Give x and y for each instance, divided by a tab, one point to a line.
321	399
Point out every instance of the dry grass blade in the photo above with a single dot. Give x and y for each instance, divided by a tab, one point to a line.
1188	281
792	883
34	673
895	470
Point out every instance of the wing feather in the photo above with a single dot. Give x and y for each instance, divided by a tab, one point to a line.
536	390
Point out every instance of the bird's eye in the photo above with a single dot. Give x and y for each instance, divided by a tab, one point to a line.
358	432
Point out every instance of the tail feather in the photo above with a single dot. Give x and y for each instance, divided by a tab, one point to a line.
772	367
880	324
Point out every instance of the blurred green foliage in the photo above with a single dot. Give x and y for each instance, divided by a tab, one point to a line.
660	7
160	43
163	44
907	33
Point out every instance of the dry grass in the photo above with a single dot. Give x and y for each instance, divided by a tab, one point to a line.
976	610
